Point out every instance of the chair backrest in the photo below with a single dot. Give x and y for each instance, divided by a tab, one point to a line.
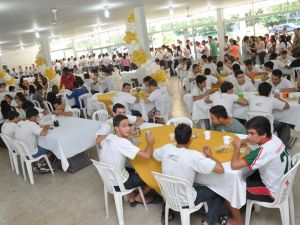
188	100
109	176
296	73
22	149
100	105
8	141
170	188
83	100
286	182
48	106
76	112
100	115
178	120
183	74
165	105
36	103
269	116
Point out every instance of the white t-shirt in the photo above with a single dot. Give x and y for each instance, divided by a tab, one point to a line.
57	66
227	45
125	99
278	64
88	83
231	78
272	161
114	151
212	67
225	100
9	129
210	80
284	83
183	163
157	96
28	131
264	104
197	92
246	87
108	128
225	70
70	64
254	70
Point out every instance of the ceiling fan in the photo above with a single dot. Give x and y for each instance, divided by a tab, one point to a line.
55	21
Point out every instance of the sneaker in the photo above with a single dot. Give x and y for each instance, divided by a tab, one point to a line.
44	169
35	169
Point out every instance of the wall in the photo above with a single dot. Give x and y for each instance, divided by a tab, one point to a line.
20	57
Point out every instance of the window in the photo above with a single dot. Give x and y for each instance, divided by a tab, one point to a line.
237	12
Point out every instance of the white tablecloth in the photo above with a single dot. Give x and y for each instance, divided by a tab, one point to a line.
73	136
231	185
290	116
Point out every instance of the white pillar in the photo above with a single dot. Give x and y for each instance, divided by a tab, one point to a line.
141	28
1	68
46	50
221	31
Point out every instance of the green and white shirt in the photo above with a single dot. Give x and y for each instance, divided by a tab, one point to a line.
273	162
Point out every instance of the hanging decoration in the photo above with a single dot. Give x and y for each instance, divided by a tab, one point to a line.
138	55
40	62
6	78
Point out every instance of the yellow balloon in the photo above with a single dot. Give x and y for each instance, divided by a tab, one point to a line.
40	61
129	37
50	73
160	76
10	82
2	73
139	57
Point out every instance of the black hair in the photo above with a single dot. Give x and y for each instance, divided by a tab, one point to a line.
11	88
21	96
153	83
117	106
238	72
269	64
147	78
27	104
200	79
12	114
248	62
220	64
226	86
207	71
66	69
264	89
195	66
210	58
76	84
125	84
277	73
5	109
30	112
57	101
273	56
261	124
32	89
219	111
118	119
183	133
86	76
236	67
204	56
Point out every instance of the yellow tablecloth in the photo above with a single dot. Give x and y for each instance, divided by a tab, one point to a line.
161	135
106	98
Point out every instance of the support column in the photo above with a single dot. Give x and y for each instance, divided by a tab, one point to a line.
221	31
1	68
141	26
46	50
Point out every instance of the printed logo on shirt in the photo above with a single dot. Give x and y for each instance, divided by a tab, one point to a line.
173	157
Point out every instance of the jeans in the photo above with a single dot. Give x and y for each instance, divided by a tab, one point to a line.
261	57
204	194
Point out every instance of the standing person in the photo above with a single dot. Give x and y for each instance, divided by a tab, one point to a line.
57	67
252	49
227	45
246	51
77	92
260	49
67	79
180	161
269	163
235	50
125	63
213	48
296	42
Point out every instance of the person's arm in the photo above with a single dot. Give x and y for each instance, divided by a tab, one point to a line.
242	102
277	96
288	89
207	100
147	153
139	121
45	129
219	167
236	162
100	138
207	93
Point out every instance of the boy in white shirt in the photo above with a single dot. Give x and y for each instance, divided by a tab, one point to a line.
285	58
9	127
210	79
201	91
61	109
222	70
189	82
124	97
281	84
107	128
116	148
211	65
179	161
28	131
269	162
226	98
252	69
242	85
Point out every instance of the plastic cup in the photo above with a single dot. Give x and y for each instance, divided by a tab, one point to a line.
172	136
207	135
227	140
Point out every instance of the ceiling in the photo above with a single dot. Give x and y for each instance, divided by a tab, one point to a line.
21	19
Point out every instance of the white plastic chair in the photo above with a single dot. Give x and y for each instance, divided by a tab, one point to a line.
110	176
13	153
296	71
269	116
169	187
26	157
188	100
178	120
100	115
48	106
182	74
36	103
83	103
284	199
165	109
76	112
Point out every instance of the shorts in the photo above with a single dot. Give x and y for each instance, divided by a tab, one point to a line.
257	190
133	181
41	151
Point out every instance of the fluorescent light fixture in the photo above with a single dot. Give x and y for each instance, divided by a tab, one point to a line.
37	34
171	10
106	12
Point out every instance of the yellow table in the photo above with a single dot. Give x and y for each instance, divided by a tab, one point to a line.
161	136
106	98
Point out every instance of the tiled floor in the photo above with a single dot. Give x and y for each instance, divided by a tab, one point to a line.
77	199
